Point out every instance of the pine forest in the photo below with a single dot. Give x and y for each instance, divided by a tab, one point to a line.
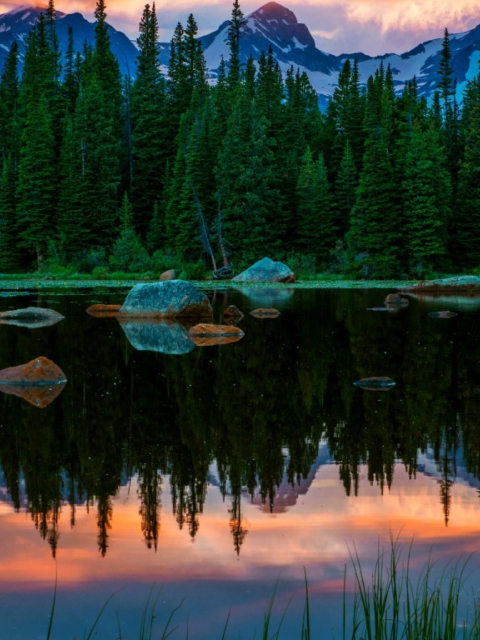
100	173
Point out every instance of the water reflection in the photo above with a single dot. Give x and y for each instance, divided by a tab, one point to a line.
160	336
265	423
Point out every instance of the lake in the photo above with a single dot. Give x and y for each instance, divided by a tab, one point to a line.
202	477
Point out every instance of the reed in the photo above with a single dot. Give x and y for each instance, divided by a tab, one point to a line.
389	605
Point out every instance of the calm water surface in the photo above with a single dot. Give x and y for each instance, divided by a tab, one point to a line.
209	473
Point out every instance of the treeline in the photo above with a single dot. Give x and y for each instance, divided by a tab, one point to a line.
109	173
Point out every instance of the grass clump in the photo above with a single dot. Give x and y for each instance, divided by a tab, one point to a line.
392	606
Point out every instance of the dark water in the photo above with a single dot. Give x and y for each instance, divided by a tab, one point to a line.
212	472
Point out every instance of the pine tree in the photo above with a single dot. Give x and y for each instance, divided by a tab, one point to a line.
316	235
445	71
374	236
465	230
345	191
71	80
247	185
149	129
9	96
426	188
235	27
36	181
9	250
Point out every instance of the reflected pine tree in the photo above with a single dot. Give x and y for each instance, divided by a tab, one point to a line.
251	413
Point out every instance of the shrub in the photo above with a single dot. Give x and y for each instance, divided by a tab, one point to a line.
129	254
87	260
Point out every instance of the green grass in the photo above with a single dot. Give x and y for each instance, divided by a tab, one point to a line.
390	605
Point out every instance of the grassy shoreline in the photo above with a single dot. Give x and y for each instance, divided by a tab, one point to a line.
27	281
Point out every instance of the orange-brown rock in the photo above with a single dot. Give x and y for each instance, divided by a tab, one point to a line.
207	335
38	395
394	300
171	274
38	372
265	313
232	313
104	310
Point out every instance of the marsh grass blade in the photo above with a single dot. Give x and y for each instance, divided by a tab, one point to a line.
392	607
306	631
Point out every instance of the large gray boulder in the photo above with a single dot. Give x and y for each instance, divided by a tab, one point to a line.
169	299
266	270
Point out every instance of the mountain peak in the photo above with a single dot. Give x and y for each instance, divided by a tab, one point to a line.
272	11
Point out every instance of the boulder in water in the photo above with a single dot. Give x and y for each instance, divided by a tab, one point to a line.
266	270
169	299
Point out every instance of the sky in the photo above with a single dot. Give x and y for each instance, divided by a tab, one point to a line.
371	26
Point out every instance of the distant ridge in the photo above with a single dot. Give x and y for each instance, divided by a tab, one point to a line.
292	44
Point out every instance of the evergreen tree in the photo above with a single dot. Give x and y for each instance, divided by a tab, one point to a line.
235	27
36	181
9	96
465	230
71	79
374	237
345	191
426	188
445	71
149	129
9	251
316	235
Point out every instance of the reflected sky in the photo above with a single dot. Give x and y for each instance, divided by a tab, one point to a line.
317	533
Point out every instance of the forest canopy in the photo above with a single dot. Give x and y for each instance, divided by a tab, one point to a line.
100	172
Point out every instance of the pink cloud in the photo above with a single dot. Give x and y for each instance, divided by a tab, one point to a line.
370	26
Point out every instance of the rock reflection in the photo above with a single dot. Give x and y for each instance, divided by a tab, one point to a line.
160	336
39	396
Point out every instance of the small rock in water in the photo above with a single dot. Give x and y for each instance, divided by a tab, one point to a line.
376	383
232	313
31	317
395	301
442	314
207	335
104	310
265	313
38	372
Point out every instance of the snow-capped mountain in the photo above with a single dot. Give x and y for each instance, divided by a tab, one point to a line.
16	24
292	45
